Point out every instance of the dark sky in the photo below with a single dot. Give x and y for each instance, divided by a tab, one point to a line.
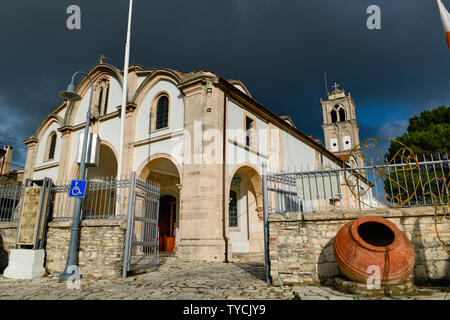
278	48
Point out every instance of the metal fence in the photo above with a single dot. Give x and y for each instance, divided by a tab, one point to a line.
405	182
10	196
106	197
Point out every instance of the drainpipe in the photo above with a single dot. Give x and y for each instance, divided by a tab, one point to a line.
224	176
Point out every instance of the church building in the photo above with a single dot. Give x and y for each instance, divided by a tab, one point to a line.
203	138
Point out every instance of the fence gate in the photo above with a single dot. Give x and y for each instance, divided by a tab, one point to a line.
141	244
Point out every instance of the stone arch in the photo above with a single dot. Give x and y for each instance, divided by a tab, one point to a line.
75	168
163	169
48	121
254	176
144	169
151	80
84	87
107	164
42	136
245	194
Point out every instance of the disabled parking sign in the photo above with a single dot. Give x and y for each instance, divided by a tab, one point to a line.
78	188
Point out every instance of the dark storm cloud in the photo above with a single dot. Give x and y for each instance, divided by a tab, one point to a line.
279	49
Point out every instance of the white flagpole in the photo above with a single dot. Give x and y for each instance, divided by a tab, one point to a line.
124	101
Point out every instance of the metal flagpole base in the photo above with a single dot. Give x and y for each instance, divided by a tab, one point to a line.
70	273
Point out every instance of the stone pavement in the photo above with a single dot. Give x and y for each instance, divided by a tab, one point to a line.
181	280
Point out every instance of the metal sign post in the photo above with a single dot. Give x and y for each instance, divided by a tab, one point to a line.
266	223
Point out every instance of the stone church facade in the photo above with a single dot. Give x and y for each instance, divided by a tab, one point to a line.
201	137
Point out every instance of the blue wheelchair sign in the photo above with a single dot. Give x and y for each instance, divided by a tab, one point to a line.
78	188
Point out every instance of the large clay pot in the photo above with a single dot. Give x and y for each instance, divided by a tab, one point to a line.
373	241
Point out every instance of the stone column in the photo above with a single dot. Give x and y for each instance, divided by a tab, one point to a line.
201	223
66	153
31	144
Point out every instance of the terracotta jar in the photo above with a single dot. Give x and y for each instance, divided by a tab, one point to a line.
366	243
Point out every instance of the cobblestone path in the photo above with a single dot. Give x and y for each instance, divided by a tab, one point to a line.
181	280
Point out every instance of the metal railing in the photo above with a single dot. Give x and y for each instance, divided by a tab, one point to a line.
376	185
106	198
10	196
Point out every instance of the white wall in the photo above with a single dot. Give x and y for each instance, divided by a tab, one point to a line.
110	132
47	173
115	95
297	154
171	146
237	154
235	115
140	80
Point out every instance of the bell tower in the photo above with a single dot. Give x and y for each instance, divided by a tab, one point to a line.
340	129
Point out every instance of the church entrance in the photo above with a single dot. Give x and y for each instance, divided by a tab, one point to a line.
164	171
166	222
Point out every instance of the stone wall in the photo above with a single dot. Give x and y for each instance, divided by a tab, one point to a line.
101	246
301	245
7	241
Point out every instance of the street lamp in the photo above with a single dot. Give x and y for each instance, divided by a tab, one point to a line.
72	259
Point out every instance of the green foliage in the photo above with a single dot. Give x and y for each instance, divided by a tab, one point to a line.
426	134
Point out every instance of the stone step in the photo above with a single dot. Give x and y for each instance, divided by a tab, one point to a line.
245	257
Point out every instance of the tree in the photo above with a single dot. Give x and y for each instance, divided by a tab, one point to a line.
428	133
428	136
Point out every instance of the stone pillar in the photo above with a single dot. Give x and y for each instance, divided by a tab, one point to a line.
31	144
201	223
66	153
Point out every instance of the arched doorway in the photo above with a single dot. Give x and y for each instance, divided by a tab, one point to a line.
164	171
245	221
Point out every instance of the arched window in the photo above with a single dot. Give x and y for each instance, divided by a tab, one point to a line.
51	146
333	116
102	95
162	113
341	114
105	108
232	210
100	99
